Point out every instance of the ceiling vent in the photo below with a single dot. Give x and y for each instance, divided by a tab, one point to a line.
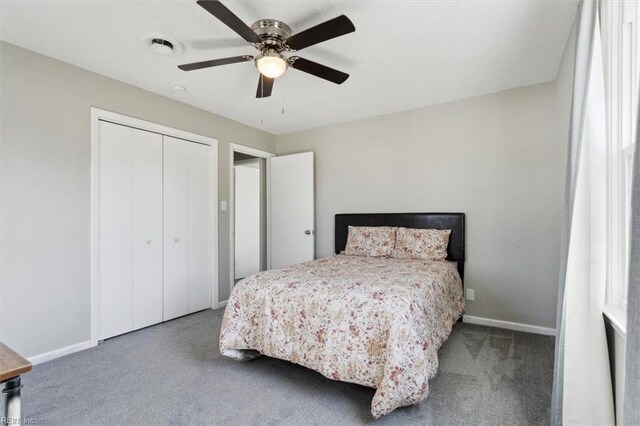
163	45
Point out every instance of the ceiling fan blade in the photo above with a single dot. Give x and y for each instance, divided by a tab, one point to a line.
215	63
314	68
227	17
265	85
332	28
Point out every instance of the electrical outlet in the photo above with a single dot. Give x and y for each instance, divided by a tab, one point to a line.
223	206
471	294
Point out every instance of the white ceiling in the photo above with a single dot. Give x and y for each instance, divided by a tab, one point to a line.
403	55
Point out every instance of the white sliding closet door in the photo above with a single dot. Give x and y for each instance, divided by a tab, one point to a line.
200	181
147	228
153	215
130	229
176	227
115	222
187	224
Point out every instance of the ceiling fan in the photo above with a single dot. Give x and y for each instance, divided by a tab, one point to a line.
273	38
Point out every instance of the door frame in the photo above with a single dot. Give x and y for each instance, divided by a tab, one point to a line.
233	148
98	115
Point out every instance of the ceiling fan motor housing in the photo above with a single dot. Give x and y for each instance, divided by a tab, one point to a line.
273	34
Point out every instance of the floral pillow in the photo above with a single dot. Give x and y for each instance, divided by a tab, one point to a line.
428	244
373	241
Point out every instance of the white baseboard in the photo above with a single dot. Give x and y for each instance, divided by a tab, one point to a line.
509	325
221	304
57	353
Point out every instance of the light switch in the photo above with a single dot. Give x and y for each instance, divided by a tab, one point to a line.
471	294
223	206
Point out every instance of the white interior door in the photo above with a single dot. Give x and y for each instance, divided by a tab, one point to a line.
147	228
176	228
200	181
187	227
130	221
247	219
154	210
291	209
115	222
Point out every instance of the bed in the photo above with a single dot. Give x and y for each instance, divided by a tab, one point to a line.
374	321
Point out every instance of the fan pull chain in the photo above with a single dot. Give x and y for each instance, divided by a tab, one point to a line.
262	96
282	84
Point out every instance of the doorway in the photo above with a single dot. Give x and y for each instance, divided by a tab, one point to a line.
248	211
248	206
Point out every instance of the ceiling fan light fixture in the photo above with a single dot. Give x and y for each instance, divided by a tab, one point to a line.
271	64
272	38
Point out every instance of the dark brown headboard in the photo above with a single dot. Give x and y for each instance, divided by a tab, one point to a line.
453	221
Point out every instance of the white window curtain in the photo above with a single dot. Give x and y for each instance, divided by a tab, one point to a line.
582	392
632	367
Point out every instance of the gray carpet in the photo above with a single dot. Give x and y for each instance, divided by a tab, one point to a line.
173	373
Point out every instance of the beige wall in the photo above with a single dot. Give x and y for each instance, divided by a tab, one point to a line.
45	190
493	157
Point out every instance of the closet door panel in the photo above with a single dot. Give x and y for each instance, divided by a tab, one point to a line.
176	228
147	229
115	262
200	181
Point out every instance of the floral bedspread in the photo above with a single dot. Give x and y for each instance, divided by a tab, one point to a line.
373	321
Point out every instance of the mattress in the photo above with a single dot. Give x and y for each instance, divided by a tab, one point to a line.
376	322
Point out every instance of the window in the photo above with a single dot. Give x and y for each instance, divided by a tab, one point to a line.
621	45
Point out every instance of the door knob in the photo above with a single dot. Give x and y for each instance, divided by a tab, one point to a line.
148	241
177	240
308	232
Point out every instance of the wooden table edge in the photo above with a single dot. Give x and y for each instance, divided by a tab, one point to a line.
12	364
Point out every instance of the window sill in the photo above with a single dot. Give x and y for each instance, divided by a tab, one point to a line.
617	316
